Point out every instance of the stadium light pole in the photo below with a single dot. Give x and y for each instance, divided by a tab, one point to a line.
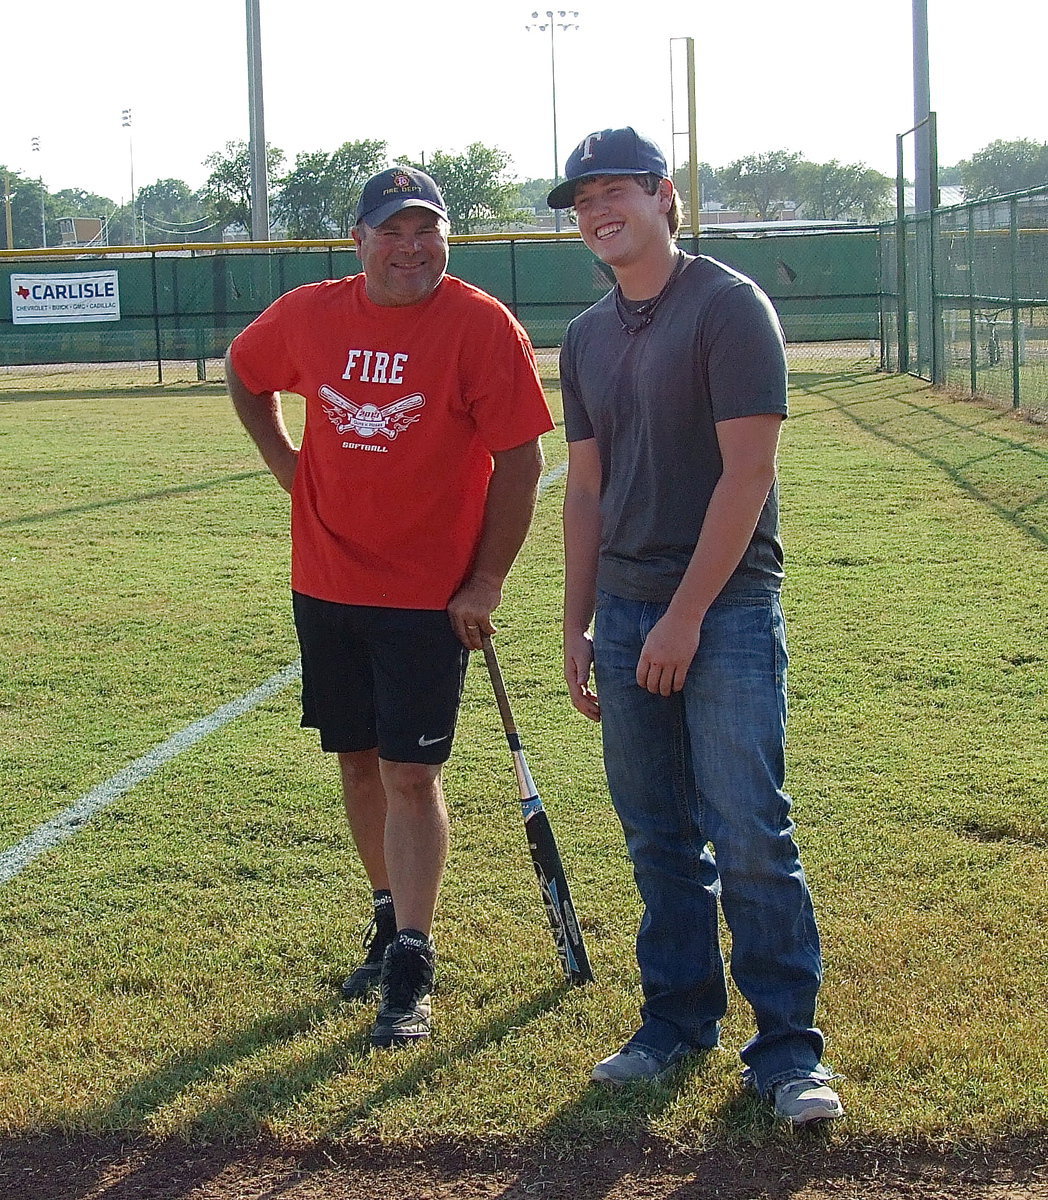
924	200
568	19
125	122
256	126
35	143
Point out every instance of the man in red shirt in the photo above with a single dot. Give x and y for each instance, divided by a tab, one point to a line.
411	495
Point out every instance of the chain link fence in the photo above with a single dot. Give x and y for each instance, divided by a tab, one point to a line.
179	307
964	297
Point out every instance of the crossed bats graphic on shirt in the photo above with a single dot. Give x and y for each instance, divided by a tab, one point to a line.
368	419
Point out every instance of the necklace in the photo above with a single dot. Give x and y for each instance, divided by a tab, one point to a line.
644	313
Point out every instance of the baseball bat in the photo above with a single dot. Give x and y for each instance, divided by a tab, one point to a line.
545	856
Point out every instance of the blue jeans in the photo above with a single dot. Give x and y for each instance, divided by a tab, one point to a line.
706	765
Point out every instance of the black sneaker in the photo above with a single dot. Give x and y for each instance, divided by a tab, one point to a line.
381	930
407	977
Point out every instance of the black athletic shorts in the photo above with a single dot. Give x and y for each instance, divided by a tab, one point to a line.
385	677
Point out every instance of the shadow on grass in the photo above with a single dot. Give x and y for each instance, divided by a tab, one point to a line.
812	380
931	406
597	1146
105	391
610	1130
140	498
196	1065
243	1110
421	1064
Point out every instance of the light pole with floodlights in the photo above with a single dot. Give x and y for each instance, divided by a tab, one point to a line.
35	143
568	19
125	123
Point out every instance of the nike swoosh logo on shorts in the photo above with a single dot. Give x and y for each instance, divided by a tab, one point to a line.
425	741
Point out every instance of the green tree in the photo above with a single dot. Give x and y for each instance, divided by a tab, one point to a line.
475	187
318	197
760	183
349	168
709	185
31	209
77	202
532	193
227	191
1003	167
303	202
170	211
836	191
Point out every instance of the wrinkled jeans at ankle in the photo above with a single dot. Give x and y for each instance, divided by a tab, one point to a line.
706	765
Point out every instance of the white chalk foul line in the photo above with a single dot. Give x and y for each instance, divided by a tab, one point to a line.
71	820
552	475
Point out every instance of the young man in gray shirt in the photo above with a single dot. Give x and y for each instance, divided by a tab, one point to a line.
674	392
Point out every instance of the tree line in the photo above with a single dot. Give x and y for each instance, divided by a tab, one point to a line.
314	198
317	195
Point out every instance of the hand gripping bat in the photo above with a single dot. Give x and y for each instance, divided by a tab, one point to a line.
545	856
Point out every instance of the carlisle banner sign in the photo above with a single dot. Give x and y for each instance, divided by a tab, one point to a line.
61	299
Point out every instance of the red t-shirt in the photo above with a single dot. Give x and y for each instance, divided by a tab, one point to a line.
404	408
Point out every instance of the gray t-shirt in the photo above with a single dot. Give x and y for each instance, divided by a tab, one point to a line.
712	351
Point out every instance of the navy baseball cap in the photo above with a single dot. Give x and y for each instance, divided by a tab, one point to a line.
608	152
386	193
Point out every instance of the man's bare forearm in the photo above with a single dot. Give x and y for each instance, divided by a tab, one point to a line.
727	529
263	418
581	548
508	512
582	523
748	449
510	506
748	455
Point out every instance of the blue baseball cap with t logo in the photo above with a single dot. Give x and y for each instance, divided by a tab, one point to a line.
608	152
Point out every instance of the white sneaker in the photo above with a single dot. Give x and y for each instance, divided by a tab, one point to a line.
806	1099
631	1064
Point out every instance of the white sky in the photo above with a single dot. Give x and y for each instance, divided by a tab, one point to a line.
826	78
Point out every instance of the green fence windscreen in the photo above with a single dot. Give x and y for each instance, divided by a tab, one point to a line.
190	304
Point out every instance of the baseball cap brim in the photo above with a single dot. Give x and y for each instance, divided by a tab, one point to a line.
376	216
563	195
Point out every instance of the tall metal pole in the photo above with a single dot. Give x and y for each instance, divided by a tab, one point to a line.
125	121
257	135
693	144
694	190
43	217
553	78
934	223
901	281
571	16
924	201
925	194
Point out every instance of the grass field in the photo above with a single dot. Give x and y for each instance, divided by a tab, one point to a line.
169	969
